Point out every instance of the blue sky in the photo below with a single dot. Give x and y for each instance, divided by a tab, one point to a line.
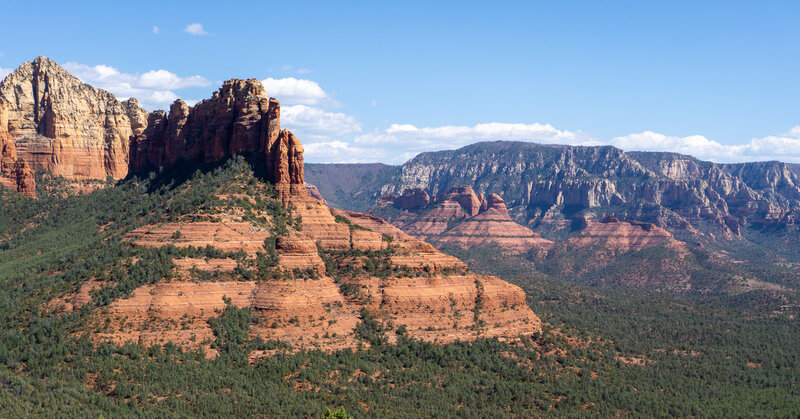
382	81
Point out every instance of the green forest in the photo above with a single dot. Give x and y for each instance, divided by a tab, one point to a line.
605	351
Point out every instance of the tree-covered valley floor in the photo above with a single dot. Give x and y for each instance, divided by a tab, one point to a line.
604	352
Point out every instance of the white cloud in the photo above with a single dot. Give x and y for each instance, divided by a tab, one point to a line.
4	72
153	89
195	29
163	79
406	139
315	124
303	71
696	145
784	147
156	30
340	152
292	91
401	142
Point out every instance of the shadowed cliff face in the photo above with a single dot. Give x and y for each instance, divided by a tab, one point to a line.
239	118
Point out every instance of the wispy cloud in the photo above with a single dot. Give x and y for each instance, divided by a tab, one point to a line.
153	89
156	30
195	29
4	72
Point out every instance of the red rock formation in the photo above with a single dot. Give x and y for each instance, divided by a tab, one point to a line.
411	199
64	126
462	217
239	118
494	226
314	193
440	301
26	185
622	236
233	120
285	156
14	172
465	196
54	122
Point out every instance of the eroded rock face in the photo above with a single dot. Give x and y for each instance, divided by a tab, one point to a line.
64	126
623	236
23	175
459	216
239	118
436	297
56	123
229	122
546	187
14	172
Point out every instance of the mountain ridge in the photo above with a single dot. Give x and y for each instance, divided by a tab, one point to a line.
544	184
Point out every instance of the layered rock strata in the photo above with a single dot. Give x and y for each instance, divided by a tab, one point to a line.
459	216
64	126
546	186
329	266
53	122
436	298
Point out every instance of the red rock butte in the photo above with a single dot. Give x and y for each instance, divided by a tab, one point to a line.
53	122
460	216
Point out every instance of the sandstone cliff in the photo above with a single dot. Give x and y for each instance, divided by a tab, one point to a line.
66	127
305	270
329	268
238	118
458	216
51	121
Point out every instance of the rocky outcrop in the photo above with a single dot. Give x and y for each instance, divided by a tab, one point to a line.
14	172
411	199
459	216
629	253
229	122
54	122
239	118
314	193
623	236
23	175
64	126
